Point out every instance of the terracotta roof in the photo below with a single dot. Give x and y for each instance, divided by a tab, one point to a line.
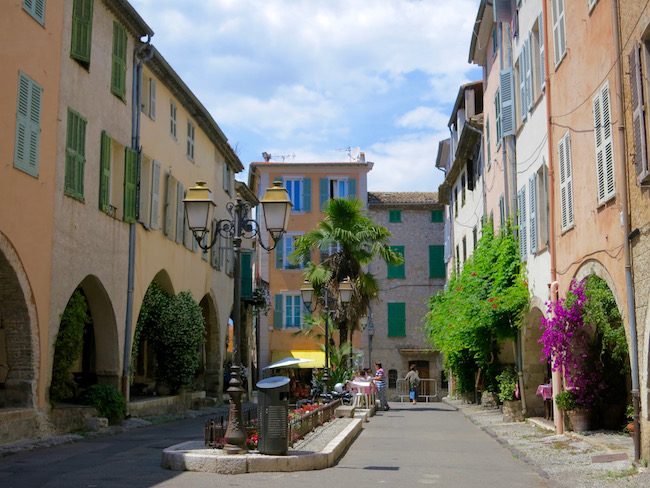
378	198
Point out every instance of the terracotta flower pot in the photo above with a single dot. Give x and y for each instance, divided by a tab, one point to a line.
580	419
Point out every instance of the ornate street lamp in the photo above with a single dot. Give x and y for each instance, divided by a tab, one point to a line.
307	295
199	207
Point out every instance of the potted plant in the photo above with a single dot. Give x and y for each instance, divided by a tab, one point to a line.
578	414
508	393
629	415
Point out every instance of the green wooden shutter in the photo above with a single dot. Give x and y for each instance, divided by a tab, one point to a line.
75	155
28	125
394	216
397	271
246	273
118	71
130	180
277	311
397	319
352	188
437	262
105	173
324	194
436	216
306	195
82	24
279	254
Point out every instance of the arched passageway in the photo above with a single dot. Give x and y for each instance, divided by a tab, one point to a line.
211	352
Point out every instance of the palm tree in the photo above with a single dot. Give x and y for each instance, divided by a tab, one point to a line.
348	241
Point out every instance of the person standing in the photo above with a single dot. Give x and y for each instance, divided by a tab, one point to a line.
413	380
380	382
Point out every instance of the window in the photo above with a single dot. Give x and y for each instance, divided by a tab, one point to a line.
502	211
180	213
286	245
436	216
559	34
462	190
566	184
591	4
148	102
246	274
35	8
437	262
190	140
488	143
28	125
336	188
118	71
604	145
106	155
397	271
172	119
299	190
532	212
397	319
638	115
130	181
497	111
464	249
474	237
394	216
495	41
170	206
330	249
456	201
82	25
521	202
227	179
287	311
154	216
538	52
457	260
392	378
541	206
75	155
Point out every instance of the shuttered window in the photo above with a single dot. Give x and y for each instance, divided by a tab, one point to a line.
394	216
35	8
28	125
172	119
559	33
436	216
532	210
397	319
118	70
154	207
105	158
488	143
528	73
604	145
507	98
638	116
130	181
75	155
521	201
497	115
82	25
566	183
170	206
278	302
437	262
540	53
190	140
180	213
246	274
397	271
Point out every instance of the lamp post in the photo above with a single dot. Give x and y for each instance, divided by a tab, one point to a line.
199	207
307	295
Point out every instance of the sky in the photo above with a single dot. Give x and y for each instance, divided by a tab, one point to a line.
319	80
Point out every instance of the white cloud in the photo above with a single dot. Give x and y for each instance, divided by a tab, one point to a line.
423	118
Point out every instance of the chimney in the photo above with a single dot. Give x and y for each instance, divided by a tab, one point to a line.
362	157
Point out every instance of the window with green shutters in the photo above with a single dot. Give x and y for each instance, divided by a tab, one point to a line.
82	26
437	262
105	173
75	155
118	71
35	8
397	271
246	267
394	216
397	319
436	216
130	179
28	125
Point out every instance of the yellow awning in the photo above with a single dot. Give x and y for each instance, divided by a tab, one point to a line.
317	358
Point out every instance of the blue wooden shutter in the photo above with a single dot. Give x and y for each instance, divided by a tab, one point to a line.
507	103
324	194
532	195
28	125
105	172
352	188
277	311
130	179
306	195
35	8
397	319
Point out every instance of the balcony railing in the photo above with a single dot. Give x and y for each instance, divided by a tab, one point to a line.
428	390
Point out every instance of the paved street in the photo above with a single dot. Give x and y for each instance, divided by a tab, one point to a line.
426	444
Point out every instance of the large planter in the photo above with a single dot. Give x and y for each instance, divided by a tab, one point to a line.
580	419
512	411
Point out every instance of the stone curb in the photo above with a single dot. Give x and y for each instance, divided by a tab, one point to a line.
192	456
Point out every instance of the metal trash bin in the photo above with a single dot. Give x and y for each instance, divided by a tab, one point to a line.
273	411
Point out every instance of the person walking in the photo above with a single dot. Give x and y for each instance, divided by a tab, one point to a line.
413	380
380	382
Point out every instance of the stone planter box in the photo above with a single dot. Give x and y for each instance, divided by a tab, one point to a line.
512	411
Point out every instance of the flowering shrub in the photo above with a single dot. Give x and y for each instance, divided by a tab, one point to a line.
252	438
566	339
299	412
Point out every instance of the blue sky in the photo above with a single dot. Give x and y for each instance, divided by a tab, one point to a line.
308	79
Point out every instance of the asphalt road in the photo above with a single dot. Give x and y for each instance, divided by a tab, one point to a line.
410	445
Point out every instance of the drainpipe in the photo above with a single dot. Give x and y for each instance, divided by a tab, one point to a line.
629	286
142	54
558	416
